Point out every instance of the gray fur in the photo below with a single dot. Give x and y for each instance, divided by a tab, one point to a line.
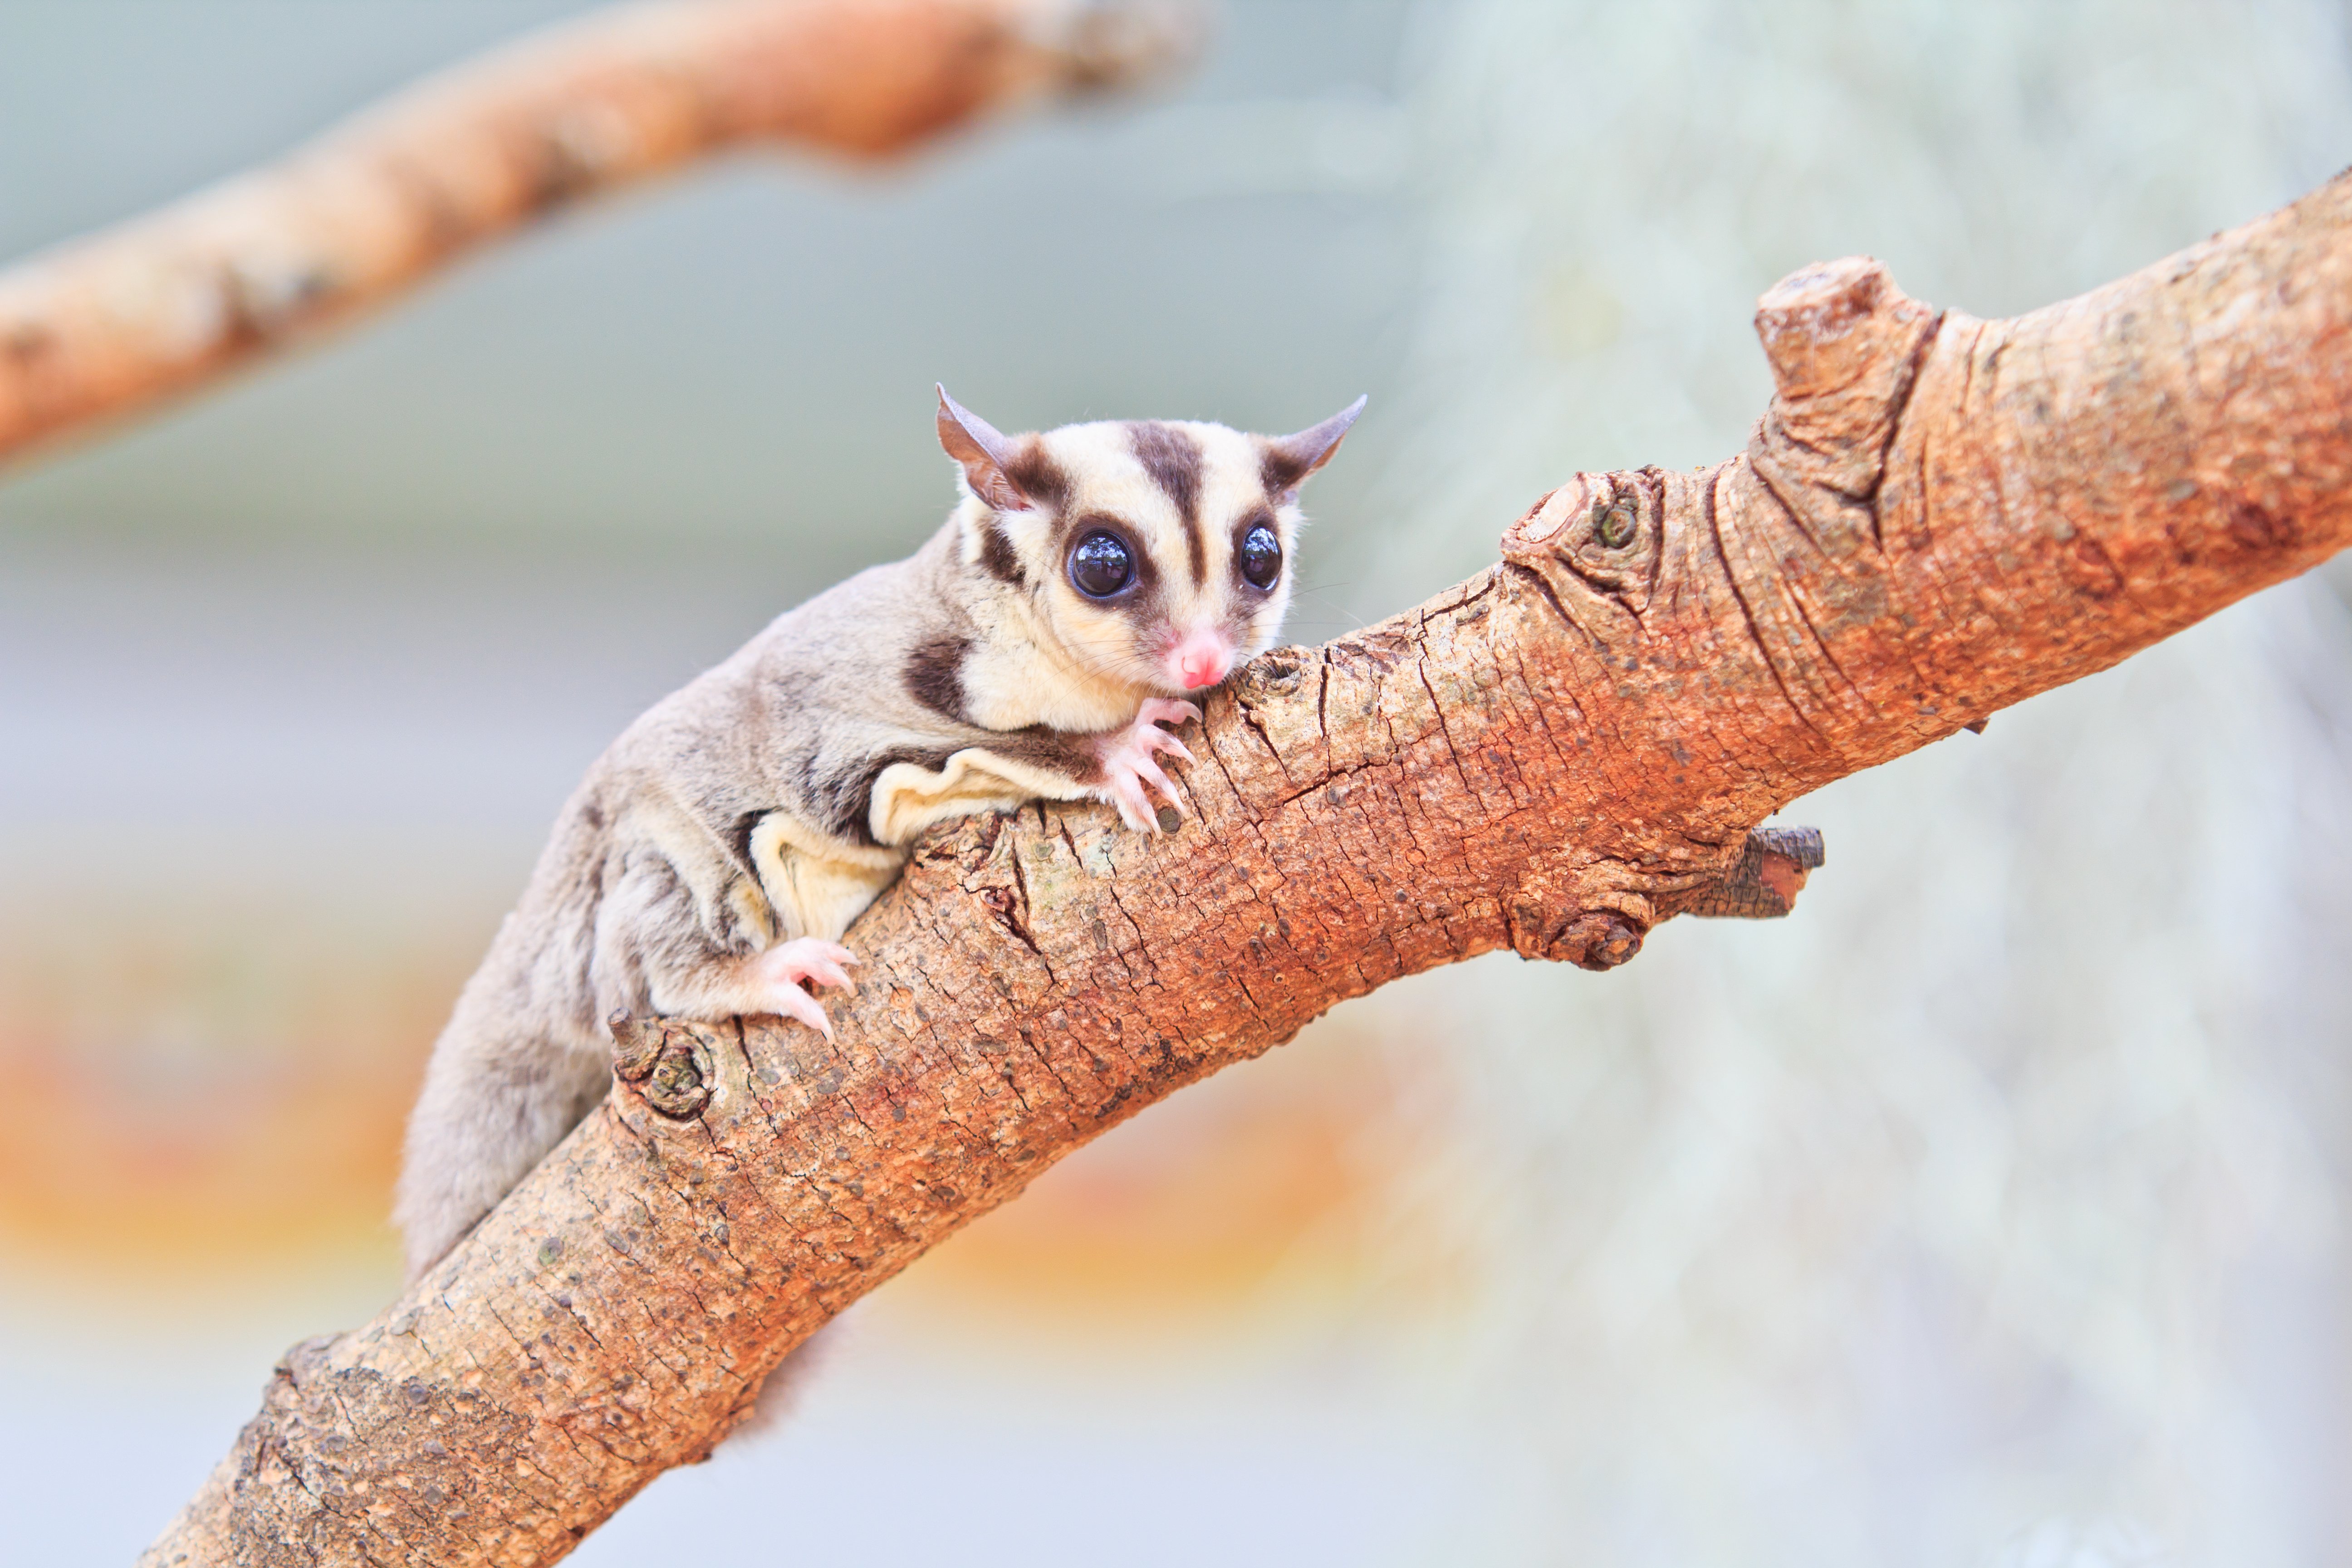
774	796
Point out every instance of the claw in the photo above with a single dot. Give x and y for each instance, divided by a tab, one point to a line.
1150	771
792	1002
1130	762
1134	806
782	968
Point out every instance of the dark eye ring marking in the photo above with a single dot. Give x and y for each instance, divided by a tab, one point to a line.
1102	564
1260	557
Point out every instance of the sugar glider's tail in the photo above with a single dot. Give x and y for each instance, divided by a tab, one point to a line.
499	1094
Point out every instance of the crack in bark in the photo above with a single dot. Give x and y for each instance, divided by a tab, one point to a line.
1747	612
1896	411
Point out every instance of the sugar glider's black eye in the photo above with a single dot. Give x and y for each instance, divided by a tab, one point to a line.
1101	565
1260	556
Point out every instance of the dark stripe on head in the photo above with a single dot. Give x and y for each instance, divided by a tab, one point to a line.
997	554
1036	474
934	675
1173	459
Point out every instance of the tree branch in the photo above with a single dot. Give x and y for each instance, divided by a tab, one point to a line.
158	305
1938	517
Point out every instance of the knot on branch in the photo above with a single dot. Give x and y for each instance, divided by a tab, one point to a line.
1844	344
1599	940
1765	882
669	1062
1592	924
1606	926
1597	535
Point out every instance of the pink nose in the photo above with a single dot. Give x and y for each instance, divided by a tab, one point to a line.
1202	659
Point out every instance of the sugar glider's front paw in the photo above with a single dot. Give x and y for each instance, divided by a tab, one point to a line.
1128	761
776	975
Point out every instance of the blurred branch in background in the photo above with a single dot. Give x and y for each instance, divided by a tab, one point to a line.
1938	517
162	304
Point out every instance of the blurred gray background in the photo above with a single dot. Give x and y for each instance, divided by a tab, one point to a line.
1987	1211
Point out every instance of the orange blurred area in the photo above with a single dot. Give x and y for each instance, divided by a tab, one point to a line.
209	1106
226	1108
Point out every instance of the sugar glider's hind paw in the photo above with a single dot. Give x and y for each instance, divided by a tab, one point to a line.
775	976
1130	765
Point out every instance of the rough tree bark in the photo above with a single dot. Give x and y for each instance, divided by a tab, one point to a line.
162	303
1938	517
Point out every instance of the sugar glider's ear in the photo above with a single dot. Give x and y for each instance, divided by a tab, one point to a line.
1290	458
984	452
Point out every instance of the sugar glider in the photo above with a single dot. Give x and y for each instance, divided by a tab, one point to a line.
709	865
